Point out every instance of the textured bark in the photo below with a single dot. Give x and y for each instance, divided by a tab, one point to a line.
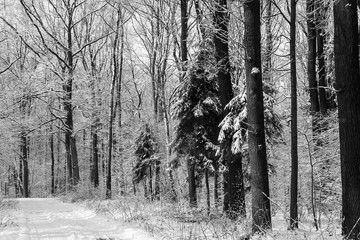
294	140
268	44
94	163
24	150
207	191
348	92
94	168
255	118
192	183
157	180
233	192
320	39
184	34
52	155
151	193
311	60
71	151
24	158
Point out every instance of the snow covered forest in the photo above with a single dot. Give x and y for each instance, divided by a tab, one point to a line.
240	117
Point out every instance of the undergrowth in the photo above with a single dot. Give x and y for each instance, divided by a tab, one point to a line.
6	219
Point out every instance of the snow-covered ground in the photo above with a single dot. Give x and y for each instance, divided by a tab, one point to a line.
49	218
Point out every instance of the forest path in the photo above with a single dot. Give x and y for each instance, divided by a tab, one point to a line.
49	218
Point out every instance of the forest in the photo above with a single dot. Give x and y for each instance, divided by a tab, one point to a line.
242	113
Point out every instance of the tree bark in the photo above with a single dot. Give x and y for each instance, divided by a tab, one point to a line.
192	183
348	91
294	140
52	156
157	180
184	34
233	200
311	61
207	191
320	39
255	118
24	148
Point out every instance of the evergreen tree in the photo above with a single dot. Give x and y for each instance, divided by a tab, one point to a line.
198	110
145	151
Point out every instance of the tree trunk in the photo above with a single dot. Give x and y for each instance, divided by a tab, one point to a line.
52	156
24	148
311	61
21	174
157	180
348	91
119	103
311	70
184	34
192	183
94	174
151	194
294	140
255	118
116	76
70	141
323	105
268	44
207	191
233	200
216	186
24	159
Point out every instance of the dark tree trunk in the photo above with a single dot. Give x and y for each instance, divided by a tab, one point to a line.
151	193
255	118
294	141
70	141
52	154
184	33
320	39
94	175
216	186
157	180
233	200
192	183
207	191
24	148
348	92
116	79
24	158
268	44
311	61
21	178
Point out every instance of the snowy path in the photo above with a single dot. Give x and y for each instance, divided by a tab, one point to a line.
52	219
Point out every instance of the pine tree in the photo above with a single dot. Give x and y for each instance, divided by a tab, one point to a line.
198	110
145	151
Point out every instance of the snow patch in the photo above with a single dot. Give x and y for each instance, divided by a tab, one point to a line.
255	70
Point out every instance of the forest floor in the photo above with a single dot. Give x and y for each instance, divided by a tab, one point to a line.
176	221
138	219
50	218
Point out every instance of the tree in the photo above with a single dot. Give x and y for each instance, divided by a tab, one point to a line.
294	141
348	89
255	118
198	110
117	66
311	65
146	148
234	200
